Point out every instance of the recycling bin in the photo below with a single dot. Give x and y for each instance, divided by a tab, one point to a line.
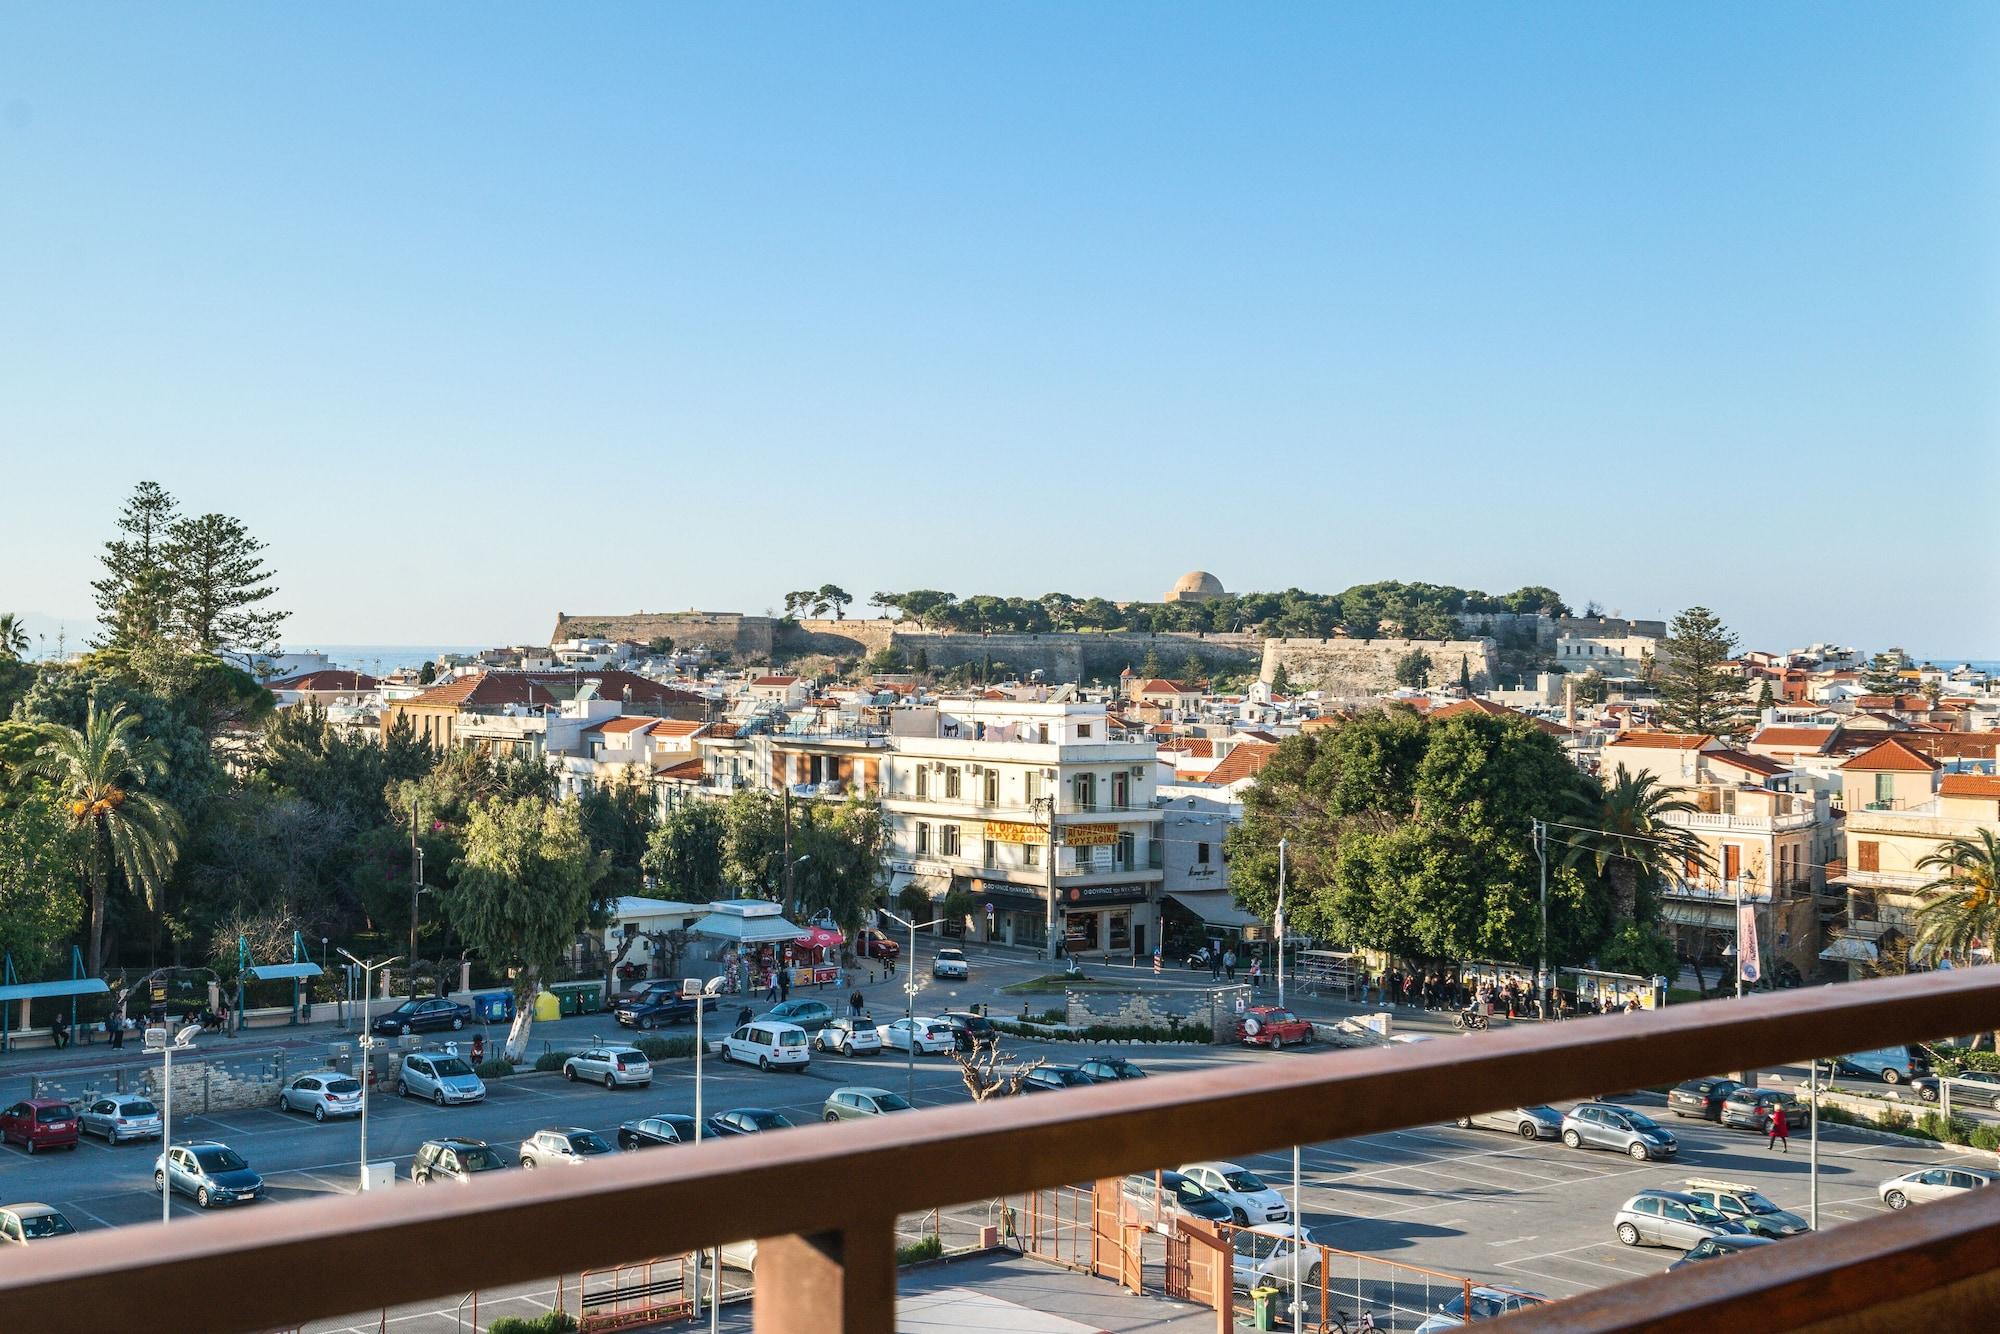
494	1007
1264	1307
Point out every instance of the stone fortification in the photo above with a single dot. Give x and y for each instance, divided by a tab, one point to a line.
1368	666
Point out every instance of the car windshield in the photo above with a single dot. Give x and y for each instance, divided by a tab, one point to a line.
1190	1192
949	955
408	1007
452	1065
768	1120
343	1086
1757	1204
59	1112
45	1225
220	1160
140	1108
891	1102
481	1159
1240	1180
588	1141
1640	1121
1703	1214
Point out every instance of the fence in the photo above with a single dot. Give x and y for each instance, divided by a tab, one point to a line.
1337	1287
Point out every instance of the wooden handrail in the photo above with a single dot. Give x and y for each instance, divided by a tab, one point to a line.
832	1187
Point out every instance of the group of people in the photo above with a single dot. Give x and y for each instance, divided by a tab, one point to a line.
1447	989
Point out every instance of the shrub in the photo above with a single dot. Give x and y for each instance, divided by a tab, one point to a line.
1986	1137
495	1068
552	1060
555	1322
930	1248
666	1049
1957	1131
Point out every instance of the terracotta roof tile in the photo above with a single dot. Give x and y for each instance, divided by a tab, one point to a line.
1246	760
1488	707
1891	756
687	771
1815	739
496	689
1662	741
331	679
1969	785
1756	764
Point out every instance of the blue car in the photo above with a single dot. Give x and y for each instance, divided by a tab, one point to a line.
418	1016
214	1174
661	1007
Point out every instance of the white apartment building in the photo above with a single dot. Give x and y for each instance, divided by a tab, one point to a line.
1008	799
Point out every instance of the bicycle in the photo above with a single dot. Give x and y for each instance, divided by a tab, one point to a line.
1346	1323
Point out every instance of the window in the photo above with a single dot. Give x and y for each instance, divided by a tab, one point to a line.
923	780
1126	849
951	783
1084	789
1034	785
1121	790
923	837
1732	861
992	787
990	855
1083	731
1885	791
1868	855
1201	854
948	840
1031	854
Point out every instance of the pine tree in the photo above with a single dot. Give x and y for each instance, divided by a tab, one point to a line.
1766	697
1150	667
1281	681
1701	690
1881	677
1464	674
1191	670
131	595
219	580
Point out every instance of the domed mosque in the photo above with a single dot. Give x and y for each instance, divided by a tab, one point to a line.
1194	586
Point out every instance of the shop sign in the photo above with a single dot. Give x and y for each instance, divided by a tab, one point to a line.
1091	895
1090	835
1013	831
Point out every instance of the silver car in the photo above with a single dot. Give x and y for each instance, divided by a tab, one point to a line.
849	1037
119	1117
442	1079
612	1067
1537	1122
1933	1183
572	1146
324	1093
1670	1218
1603	1125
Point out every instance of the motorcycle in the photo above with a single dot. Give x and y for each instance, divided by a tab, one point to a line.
1470	1020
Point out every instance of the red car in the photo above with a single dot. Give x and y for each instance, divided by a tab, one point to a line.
39	1123
1269	1026
876	945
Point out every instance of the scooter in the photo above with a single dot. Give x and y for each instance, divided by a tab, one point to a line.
1471	1020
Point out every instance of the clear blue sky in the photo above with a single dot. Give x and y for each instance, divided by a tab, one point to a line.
476	312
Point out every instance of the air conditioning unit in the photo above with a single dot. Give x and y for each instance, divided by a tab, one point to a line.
1138	771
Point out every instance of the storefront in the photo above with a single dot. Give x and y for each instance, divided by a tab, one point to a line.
1007	914
1194	919
1118	921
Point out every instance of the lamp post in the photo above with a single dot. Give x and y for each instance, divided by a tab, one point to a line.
367	1045
1542	978
183	1040
1279	925
910	1000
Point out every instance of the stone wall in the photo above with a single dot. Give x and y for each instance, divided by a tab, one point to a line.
1065	656
750	638
201	1084
1209	1015
1368	666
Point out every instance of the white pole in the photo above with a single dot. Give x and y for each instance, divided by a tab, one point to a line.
167	1133
1737	885
1280	924
1298	1237
1812	1132
367	1045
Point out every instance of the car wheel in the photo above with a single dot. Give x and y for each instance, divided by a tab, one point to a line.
569	1073
437	1096
1277	1042
1928	1095
1571	1138
1895	1199
609	1081
420	1179
847	1049
457	1022
402	1089
201	1197
1242	1219
764	1064
528	1163
1312	1277
646	1021
1628	1234
1638	1151
830	1117
1527	1129
159	1181
319	1114
29	1145
1464	1123
1891	1075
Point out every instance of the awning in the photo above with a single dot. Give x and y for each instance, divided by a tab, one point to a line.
1217	907
69	986
746	930
1844	950
273	972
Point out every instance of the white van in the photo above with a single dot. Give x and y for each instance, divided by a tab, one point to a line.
769	1045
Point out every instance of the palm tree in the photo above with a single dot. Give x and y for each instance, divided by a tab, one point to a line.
1962	907
13	636
98	773
1629	839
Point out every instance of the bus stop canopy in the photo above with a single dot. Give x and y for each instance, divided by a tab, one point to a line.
68	986
271	972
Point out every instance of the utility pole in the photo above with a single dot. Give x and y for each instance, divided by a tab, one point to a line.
1542	978
1047	805
1812	1130
1280	928
785	827
416	883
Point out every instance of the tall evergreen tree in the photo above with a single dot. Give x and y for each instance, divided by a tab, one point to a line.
1880	677
1700	688
219	585
131	597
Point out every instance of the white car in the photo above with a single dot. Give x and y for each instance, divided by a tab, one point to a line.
927	1036
572	1146
950	963
1264	1257
850	1037
1249	1198
1933	1183
324	1093
612	1067
769	1045
1487	1303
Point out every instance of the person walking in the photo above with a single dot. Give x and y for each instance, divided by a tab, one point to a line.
1781	1129
784	982
115	1025
854	1003
771	991
1256	975
1229	964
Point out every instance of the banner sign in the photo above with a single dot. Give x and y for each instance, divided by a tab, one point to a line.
1746	943
1013	831
1090	835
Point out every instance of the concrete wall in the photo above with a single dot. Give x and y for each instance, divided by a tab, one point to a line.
1208	1015
1368	666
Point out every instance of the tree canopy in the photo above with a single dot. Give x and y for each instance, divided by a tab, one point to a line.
1701	690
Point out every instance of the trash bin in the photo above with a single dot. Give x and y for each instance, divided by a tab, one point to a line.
589	999
494	1007
566	997
547	1007
1264	1307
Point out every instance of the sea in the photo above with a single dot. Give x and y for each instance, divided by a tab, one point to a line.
376	659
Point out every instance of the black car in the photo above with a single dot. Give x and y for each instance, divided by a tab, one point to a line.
647	991
416	1016
1055	1077
968	1028
747	1121
454	1160
660	1008
1709	1248
1970	1089
1107	1069
651	1131
1701	1097
1750	1109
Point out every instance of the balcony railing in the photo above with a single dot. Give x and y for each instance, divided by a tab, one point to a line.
825	1199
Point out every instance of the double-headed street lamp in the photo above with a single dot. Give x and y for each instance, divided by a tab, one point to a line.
910	1001
158	1039
367	1045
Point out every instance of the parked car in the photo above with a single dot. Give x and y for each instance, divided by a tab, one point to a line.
849	1037
848	1104
1603	1125
811	1015
1745	1205
454	1159
119	1117
613	1067
1750	1109
23	1223
1247	1196
1973	1088
660	1008
1270	1026
420	1016
1487	1303
1055	1077
644	993
39	1123
572	1146
928	1036
652	1131
768	1046
1536	1122
442	1079
213	1173
1670	1218
1264	1257
968	1028
747	1121
1111	1069
323	1093
1709	1248
875	944
1158	1200
1933	1183
949	962
1701	1097
1891	1065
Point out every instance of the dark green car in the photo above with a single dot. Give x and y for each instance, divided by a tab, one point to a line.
1745	1206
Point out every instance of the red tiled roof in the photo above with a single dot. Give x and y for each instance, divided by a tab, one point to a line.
1891	756
774	681
1969	785
1488	707
1246	760
495	689
331	679
1160	685
687	771
1756	764
1795	738
1662	741
1198	747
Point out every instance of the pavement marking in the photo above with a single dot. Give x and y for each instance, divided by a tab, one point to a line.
1514	1241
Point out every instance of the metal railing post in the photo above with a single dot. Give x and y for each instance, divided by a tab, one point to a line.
829	1282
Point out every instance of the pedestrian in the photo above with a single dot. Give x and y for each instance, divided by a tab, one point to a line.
1781	1129
743	1016
478	1048
115	1025
771	990
854	1003
59	1031
1214	963
784	983
1425	988
1256	975
1229	964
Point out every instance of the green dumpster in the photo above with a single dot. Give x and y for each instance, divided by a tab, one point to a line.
1264	1307
589	1000
567	998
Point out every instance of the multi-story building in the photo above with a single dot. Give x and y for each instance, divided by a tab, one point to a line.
486	708
1016	801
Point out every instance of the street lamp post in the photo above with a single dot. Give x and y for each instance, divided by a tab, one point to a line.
367	1045
183	1040
1542	978
1279	924
910	1000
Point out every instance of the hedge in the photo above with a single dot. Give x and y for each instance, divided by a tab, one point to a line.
930	1248
552	1060
666	1049
555	1322
1957	1060
1930	1125
495	1069
1108	1033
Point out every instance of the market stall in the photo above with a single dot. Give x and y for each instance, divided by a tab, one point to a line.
743	941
